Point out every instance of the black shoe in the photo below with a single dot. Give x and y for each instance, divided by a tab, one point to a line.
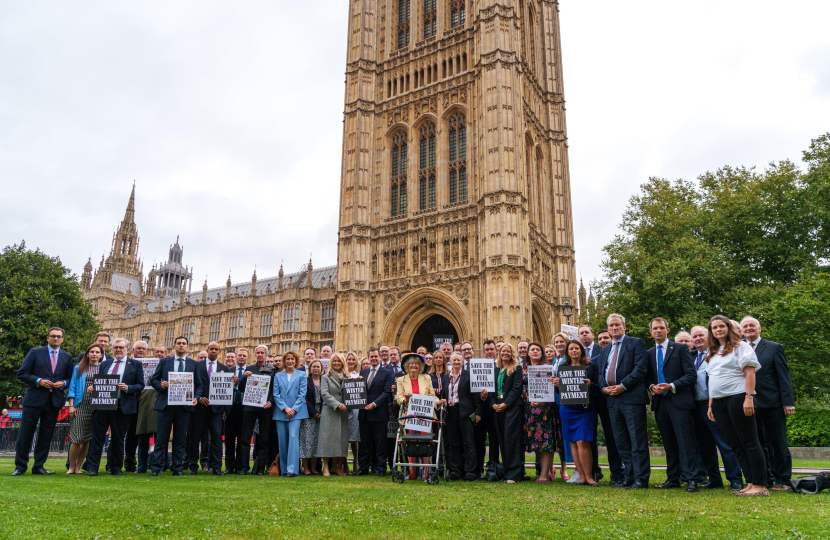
637	486
598	476
691	487
258	474
41	470
192	473
153	474
19	472
669	484
360	473
178	473
736	486
140	471
242	473
230	471
710	485
218	473
381	474
92	473
617	484
117	472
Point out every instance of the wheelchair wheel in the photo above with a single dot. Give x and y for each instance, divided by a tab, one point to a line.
433	478
397	477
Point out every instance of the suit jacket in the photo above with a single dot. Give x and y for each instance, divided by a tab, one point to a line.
378	394
595	351
290	394
772	381
466	398
632	368
512	387
134	379
38	365
202	372
266	369
162	373
678	369
405	387
310	402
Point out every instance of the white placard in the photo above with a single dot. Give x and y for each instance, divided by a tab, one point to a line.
539	387
150	365
180	389
421	406
482	375
257	390
325	362
571	331
221	388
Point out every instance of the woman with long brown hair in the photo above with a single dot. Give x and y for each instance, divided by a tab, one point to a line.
539	422
80	413
731	365
437	372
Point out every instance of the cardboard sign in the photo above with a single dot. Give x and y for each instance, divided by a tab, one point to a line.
420	406
257	390
150	365
572	389
221	388
539	387
105	393
482	375
180	389
353	393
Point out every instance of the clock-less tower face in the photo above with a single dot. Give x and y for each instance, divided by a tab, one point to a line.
455	212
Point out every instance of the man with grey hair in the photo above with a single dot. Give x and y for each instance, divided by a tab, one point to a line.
686	339
774	401
623	367
130	374
132	441
251	414
325	353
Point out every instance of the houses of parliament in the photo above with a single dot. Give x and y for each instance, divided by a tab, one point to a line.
455	205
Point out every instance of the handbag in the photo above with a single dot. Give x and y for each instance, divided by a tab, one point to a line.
810	485
495	472
274	470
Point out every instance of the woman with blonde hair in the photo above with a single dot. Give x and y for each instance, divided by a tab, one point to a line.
560	345
333	441
508	405
437	372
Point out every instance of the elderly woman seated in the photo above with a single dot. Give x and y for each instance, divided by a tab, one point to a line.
414	382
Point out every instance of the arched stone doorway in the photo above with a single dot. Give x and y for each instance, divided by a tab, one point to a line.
433	331
541	331
413	311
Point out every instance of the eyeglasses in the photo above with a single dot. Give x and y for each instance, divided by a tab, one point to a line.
55	336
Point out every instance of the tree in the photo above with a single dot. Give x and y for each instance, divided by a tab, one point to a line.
36	293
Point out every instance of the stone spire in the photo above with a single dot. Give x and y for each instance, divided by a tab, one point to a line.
279	285
123	256
228	287
309	269
582	299
86	278
253	283
204	292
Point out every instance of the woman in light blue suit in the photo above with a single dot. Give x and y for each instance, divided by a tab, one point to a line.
289	397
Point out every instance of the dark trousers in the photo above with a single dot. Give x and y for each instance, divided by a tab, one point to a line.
741	433
629	425
48	417
709	441
485	427
175	419
372	437
509	431
615	464
233	438
773	422
131	444
143	445
249	419
206	424
117	422
677	431
461	448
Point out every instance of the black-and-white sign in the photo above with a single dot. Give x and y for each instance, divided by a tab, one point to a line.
150	365
257	390
482	375
420	406
353	393
105	393
180	388
539	387
572	389
221	388
438	339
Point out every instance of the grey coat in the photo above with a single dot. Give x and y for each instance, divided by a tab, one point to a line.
334	424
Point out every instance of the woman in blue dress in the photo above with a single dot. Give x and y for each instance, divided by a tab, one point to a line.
578	421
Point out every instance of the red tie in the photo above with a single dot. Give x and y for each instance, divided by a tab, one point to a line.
115	367
54	361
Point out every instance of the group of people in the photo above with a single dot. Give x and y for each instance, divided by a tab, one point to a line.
719	388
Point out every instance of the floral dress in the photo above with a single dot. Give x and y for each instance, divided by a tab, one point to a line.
310	428
540	426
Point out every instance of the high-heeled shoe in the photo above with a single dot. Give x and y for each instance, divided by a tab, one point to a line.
565	476
541	481
552	477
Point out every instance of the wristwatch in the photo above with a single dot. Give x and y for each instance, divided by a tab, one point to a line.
751	395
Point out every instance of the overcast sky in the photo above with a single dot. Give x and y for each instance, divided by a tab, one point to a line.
228	115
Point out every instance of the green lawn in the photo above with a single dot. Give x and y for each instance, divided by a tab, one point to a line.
136	506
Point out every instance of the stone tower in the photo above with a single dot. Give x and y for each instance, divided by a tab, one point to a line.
455	208
124	251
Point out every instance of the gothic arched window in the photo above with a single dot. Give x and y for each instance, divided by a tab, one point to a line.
398	176
457	13
430	18
458	158
426	171
403	23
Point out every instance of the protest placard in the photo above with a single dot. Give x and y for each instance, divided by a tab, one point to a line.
572	389
150	365
539	387
180	389
221	388
392	428
257	390
353	393
325	362
420	406
482	375
571	331
105	393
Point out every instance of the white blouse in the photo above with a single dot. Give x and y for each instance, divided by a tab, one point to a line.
726	373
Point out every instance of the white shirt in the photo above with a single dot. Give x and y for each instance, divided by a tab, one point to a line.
122	362
664	347
210	367
726	373
354	374
176	360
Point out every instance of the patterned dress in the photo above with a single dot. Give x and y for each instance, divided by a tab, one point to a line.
540	426
354	425
310	428
80	430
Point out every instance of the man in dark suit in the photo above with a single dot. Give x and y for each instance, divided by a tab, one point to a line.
623	367
774	401
234	419
207	417
374	418
46	371
175	418
592	350
251	414
671	381
487	426
394	367
131	373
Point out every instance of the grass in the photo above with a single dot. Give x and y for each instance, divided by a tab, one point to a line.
136	506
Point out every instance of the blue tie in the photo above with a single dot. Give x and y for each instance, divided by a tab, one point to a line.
699	360
660	377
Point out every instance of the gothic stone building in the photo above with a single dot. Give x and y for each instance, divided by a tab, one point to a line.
455	206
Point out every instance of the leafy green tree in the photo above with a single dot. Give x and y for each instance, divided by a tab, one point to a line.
36	293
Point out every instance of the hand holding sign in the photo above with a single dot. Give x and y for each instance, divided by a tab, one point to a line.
573	389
